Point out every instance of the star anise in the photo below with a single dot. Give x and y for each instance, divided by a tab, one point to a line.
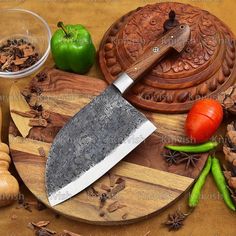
175	221
190	159
171	157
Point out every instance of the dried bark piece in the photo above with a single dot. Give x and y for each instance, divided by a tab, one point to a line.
27	114
146	234
124	217
229	155
112	179
92	192
228	99
19	61
6	64
30	226
14	217
227	174
39	122
229	150
28	51
105	187
115	206
232	182
116	189
119	180
231	135
41	223
33	100
69	233
42	152
45	115
3	59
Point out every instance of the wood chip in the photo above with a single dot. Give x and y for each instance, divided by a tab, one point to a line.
38	122
7	63
3	59
30	226
92	192
124	217
33	100
45	115
25	92
27	114
28	51
112	179
41	223
105	187
69	233
119	180
116	189
19	61
115	206
146	234
13	217
42	152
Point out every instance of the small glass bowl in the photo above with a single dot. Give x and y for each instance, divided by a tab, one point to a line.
24	24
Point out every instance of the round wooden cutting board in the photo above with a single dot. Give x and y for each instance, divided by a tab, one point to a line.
145	183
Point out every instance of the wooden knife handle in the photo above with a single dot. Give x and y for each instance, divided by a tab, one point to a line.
9	187
171	40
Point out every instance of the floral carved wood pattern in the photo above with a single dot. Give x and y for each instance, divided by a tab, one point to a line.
205	68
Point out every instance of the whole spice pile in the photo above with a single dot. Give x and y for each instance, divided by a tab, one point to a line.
176	158
16	55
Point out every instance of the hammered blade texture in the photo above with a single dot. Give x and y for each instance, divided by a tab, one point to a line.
89	137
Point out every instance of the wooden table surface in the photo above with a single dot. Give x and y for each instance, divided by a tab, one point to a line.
210	218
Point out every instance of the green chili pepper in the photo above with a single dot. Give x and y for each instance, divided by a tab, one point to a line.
195	194
205	147
221	183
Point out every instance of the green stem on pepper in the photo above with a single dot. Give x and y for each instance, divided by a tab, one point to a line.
61	25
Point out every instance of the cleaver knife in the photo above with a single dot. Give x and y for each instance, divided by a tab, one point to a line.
105	130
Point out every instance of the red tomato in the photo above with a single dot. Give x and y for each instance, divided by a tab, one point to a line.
203	120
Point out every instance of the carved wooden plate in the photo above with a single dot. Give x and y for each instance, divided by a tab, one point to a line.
205	68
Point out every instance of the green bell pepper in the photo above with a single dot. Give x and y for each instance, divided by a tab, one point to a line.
72	48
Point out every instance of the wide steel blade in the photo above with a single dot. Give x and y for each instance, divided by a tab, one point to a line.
92	142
